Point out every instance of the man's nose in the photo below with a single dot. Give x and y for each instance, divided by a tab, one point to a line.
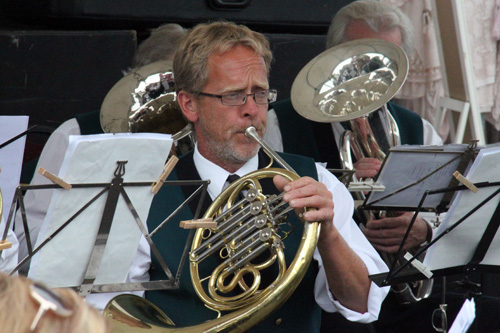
250	108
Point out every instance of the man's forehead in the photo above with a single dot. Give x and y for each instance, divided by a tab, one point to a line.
239	55
237	65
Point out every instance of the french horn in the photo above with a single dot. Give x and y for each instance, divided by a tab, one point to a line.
145	100
246	228
348	82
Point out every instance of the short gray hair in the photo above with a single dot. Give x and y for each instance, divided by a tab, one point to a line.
378	16
160	45
205	39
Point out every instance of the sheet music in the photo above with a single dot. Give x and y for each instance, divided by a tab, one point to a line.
92	159
465	317
457	247
11	156
418	166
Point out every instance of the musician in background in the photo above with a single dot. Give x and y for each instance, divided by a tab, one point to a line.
360	19
363	19
222	74
160	45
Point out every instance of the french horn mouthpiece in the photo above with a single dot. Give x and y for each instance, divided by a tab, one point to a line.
251	132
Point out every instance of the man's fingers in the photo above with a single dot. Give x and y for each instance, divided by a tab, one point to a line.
306	192
280	182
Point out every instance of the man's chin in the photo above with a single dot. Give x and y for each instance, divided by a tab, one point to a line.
246	151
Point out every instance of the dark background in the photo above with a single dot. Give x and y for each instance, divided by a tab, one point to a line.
60	58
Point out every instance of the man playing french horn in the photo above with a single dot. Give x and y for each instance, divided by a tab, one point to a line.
221	72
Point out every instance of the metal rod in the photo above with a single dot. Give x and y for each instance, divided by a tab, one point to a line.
252	132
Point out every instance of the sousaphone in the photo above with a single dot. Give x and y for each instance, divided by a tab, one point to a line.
349	82
145	100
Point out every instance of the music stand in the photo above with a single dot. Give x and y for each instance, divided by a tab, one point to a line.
466	240
115	192
407	172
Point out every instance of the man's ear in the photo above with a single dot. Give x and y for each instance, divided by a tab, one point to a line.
188	105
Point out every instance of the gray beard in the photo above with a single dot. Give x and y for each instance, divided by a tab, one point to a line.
227	154
224	150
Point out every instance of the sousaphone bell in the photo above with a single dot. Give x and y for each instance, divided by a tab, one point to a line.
349	80
145	100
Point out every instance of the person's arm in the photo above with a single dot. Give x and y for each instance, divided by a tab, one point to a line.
346	273
367	167
9	256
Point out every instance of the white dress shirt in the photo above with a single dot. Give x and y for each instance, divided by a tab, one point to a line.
51	160
9	257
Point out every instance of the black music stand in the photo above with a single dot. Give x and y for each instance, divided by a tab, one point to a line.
408	171
454	234
114	190
116	195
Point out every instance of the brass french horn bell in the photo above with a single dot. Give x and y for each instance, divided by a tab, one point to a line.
349	80
145	100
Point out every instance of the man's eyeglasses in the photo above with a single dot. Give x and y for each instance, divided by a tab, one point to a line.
236	98
439	319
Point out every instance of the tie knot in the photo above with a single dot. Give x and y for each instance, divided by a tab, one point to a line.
232	178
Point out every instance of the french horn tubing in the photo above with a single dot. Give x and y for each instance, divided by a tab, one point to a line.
246	228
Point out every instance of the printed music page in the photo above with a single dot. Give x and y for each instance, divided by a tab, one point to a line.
458	246
92	159
409	171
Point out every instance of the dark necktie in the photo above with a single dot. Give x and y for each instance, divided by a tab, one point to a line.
378	131
231	179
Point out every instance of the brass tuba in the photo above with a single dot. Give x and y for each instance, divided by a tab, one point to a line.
349	82
145	100
246	228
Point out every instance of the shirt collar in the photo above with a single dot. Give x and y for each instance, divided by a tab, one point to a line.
217	175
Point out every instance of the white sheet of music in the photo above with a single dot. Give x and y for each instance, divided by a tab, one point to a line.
457	247
465	317
93	159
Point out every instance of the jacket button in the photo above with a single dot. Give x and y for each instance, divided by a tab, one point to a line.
278	321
